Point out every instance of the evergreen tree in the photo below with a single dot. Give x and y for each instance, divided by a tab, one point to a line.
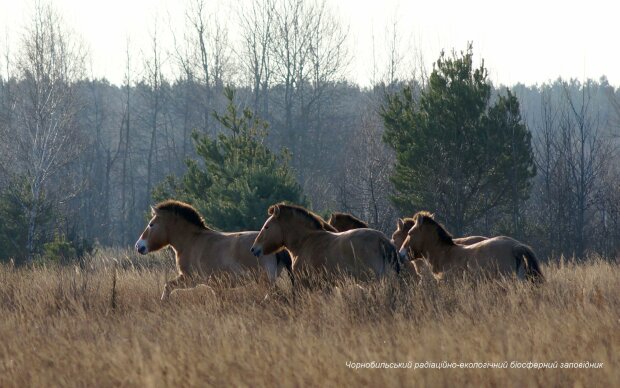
456	153
237	177
15	198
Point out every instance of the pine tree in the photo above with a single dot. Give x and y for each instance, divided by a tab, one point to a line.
15	198
237	177
457	154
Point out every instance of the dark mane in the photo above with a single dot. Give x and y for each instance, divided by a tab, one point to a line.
427	218
183	210
314	219
408	223
351	221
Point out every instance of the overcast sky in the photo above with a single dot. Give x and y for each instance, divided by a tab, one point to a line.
521	41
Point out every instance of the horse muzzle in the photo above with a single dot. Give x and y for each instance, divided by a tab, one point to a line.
141	247
403	253
256	251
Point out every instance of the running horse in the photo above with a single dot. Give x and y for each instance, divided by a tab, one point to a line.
201	251
492	258
343	222
403	225
357	252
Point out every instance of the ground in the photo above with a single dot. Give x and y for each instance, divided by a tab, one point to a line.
69	326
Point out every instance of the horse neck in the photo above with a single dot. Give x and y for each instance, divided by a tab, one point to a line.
298	234
181	236
438	254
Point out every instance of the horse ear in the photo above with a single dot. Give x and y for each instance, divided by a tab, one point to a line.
274	210
400	224
153	210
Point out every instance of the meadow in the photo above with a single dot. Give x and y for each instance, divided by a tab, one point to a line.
103	324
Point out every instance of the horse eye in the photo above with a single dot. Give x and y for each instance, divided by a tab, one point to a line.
266	227
151	225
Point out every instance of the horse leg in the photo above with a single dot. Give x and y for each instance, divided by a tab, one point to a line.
282	263
181	281
271	269
301	281
269	275
411	270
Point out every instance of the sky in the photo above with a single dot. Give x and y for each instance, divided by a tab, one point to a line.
528	41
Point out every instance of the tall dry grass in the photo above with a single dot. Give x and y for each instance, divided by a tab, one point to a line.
70	327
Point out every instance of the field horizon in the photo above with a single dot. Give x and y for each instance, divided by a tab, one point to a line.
102	324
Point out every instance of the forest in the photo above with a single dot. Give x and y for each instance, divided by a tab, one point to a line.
82	159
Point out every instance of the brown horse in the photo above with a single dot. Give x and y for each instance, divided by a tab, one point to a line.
403	225
344	221
498	256
201	251
357	252
418	262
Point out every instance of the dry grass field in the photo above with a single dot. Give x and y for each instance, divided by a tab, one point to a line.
63	327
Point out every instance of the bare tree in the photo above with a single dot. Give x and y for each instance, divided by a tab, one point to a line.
572	155
212	55
613	97
329	58
185	79
365	187
309	56
127	206
609	208
394	54
546	159
257	30
585	151
44	136
388	60
291	51
153	88
7	110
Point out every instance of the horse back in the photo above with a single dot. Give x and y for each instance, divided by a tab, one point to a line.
486	243
494	254
369	248
469	240
221	252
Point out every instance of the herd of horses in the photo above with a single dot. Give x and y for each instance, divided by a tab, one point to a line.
301	243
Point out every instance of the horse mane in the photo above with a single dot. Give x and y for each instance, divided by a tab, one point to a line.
183	210
427	218
346	217
408	223
304	213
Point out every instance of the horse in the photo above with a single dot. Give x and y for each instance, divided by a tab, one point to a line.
344	221
418	263
403	225
493	257
357	252
201	251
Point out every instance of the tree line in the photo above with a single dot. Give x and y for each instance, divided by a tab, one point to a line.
232	128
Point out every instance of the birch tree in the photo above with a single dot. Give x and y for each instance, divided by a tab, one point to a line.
44	136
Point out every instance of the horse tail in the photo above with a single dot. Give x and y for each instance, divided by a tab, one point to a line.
533	272
283	259
390	255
